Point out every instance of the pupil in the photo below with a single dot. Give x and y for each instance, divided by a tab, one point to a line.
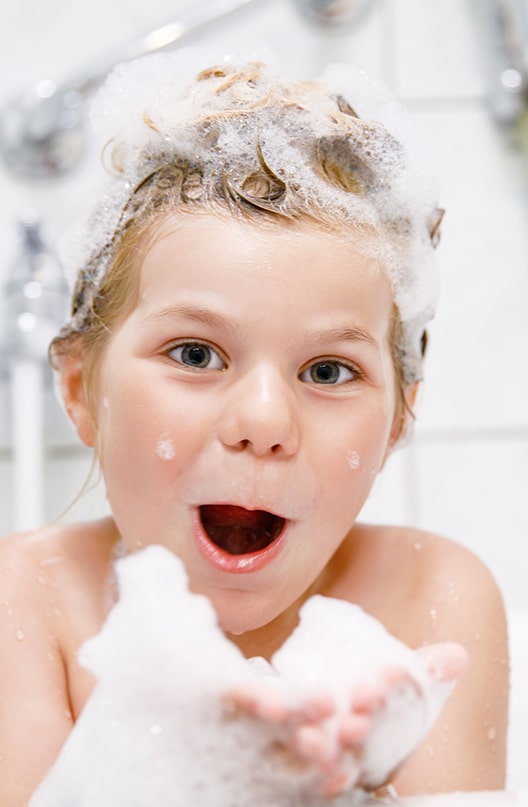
325	373
196	355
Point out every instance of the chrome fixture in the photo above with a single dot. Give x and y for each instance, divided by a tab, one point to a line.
503	29
41	129
35	297
35	304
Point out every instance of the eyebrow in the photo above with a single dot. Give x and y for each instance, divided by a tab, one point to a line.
202	315
212	319
349	334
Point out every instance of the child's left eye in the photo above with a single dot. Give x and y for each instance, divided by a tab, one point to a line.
198	355
329	371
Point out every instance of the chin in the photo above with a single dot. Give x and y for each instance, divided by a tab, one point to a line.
237	617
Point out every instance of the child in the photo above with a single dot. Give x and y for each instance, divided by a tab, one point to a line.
244	351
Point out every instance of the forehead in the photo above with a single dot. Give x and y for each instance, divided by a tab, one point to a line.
267	248
297	277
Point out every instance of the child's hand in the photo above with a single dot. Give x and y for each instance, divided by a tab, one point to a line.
331	741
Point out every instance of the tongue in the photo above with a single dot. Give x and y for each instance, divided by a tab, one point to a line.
237	530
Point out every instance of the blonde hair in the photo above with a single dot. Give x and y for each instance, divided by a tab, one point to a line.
332	170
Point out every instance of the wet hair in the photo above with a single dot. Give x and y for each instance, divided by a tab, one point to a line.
239	141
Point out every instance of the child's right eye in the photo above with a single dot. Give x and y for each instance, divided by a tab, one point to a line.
197	355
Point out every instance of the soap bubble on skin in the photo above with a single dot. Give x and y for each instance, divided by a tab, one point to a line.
162	663
353	459
165	448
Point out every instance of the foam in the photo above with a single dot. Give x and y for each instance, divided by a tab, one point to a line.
152	109
156	731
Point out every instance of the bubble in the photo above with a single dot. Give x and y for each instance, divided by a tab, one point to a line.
165	448
156	720
154	112
353	459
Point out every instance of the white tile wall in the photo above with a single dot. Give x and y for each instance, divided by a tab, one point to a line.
466	474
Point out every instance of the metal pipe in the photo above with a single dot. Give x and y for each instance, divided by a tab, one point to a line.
34	305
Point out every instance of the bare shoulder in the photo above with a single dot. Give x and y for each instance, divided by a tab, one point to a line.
31	560
47	577
422	586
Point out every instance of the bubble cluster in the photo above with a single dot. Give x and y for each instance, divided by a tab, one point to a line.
157	729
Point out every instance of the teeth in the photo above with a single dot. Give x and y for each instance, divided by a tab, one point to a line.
240	531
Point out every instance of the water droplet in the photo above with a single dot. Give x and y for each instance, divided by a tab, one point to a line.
67	714
430	751
477	637
492	733
156	728
139	543
42	580
50	655
20	635
353	459
418	545
165	448
433	613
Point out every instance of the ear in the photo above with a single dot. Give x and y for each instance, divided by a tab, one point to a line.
71	376
402	423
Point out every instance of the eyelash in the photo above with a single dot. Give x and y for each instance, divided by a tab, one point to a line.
355	374
181	346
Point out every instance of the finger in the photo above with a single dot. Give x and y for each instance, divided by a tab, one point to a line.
310	742
369	697
265	705
336	785
354	729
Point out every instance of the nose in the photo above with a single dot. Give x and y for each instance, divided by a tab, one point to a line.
261	414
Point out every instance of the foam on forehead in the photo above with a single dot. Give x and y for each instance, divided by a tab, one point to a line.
339	146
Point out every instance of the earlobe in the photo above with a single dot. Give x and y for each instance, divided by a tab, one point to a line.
71	376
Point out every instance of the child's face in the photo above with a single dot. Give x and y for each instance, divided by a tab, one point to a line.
255	372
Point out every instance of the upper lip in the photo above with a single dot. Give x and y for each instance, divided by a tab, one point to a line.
233	502
290	494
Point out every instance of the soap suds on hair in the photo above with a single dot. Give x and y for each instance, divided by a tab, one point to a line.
338	148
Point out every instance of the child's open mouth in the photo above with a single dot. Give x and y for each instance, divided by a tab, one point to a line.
239	531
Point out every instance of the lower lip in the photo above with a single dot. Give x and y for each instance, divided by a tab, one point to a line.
236	564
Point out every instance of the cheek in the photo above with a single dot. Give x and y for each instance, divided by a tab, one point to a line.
146	430
357	454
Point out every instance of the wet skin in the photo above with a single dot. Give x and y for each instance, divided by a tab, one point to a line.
262	357
253	371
